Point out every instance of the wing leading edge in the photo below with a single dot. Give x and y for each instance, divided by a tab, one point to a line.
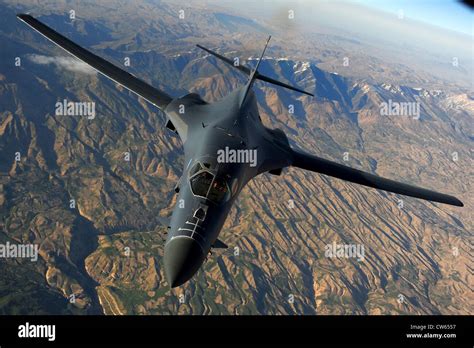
134	84
323	166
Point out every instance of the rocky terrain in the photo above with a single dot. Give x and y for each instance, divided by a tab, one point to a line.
101	252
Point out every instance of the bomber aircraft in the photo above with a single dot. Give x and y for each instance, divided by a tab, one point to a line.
219	140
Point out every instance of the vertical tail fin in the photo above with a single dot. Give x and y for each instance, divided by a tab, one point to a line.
254	74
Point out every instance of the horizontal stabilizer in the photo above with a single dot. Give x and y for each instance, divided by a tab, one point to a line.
281	84
242	68
256	75
324	166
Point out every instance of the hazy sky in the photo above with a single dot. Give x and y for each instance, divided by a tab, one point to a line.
423	24
448	14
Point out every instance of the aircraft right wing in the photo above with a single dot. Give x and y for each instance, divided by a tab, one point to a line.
324	166
134	84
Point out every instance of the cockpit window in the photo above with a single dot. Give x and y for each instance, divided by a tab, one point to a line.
205	185
196	168
200	183
218	191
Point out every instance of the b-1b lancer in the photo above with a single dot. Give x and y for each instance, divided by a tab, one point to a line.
210	182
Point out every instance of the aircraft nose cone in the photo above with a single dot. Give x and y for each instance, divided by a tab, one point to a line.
183	257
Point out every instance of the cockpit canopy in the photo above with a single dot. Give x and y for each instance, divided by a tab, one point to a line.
205	184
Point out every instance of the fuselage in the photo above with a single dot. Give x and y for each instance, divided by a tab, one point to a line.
225	146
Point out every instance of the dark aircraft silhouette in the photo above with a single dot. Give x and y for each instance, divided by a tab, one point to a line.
209	185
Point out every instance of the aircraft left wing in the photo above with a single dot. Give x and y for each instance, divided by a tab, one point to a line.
324	166
156	97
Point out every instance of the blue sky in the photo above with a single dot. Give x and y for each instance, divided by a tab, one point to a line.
443	13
